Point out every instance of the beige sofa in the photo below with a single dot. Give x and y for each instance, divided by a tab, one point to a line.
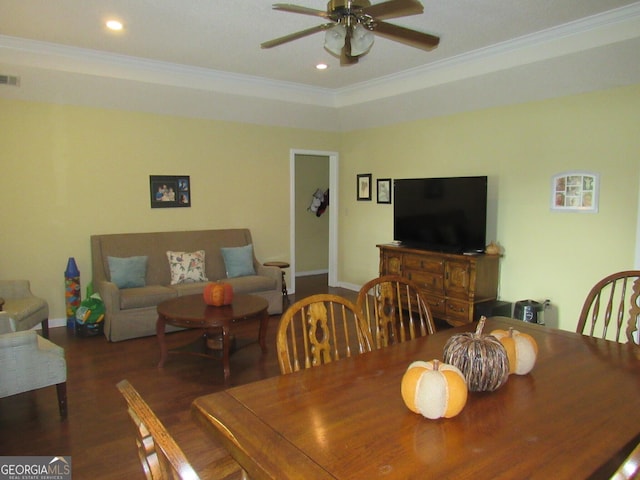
131	312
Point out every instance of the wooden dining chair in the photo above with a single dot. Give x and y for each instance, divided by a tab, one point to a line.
630	467
612	308
160	455
395	310
320	329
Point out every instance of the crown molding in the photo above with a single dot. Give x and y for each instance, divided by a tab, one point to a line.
613	26
51	56
599	30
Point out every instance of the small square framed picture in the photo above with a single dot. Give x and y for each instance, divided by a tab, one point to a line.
364	186
383	190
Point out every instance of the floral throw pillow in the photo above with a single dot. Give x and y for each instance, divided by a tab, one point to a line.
186	267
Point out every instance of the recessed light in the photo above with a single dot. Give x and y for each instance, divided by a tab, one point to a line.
322	66
114	25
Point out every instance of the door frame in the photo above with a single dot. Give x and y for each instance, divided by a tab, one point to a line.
333	218
637	253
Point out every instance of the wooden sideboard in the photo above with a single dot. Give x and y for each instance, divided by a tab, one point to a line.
452	284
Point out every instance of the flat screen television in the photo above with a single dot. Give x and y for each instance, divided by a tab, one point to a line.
441	214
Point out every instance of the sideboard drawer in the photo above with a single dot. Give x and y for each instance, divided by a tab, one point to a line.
427	281
437	306
425	263
458	313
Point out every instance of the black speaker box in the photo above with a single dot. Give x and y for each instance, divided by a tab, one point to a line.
495	308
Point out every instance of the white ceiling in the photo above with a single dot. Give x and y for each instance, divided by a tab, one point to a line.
491	51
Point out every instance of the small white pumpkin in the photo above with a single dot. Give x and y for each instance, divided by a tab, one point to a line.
522	350
434	389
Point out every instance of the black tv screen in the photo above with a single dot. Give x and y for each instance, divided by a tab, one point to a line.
441	214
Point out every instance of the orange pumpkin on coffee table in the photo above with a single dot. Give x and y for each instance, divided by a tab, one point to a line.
218	294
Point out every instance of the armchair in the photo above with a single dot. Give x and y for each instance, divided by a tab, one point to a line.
23	307
7	324
29	362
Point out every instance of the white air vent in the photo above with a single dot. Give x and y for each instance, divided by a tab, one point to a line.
10	80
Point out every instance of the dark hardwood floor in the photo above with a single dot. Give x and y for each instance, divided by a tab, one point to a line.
97	433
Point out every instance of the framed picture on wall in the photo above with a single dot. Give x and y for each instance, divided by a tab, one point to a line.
170	191
364	186
575	192
383	190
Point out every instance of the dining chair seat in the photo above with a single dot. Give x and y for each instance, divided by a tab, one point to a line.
320	329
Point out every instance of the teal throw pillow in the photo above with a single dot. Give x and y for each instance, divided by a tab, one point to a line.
238	261
128	272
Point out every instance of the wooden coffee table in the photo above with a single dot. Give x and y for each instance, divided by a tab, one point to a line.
190	311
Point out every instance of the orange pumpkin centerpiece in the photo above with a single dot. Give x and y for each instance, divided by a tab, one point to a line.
218	294
434	389
522	350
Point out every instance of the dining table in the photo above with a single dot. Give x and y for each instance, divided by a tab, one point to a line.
576	415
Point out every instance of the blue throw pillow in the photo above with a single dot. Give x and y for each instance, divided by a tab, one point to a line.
238	261
128	272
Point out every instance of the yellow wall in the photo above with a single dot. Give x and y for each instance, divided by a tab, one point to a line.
312	232
69	172
547	254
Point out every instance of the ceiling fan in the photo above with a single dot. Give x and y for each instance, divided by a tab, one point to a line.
350	33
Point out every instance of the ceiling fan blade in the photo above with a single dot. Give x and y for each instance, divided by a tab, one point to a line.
407	36
287	7
294	36
394	9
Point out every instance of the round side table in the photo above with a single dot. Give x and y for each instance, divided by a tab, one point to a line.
281	266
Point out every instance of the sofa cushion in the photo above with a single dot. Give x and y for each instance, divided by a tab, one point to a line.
238	261
252	284
148	296
189	288
128	272
186	267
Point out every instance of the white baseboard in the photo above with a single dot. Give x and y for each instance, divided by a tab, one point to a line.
53	322
57	322
349	286
311	272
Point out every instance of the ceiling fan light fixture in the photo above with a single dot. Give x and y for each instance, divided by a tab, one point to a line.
361	40
350	26
334	39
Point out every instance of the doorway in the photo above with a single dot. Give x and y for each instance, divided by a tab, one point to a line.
331	212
